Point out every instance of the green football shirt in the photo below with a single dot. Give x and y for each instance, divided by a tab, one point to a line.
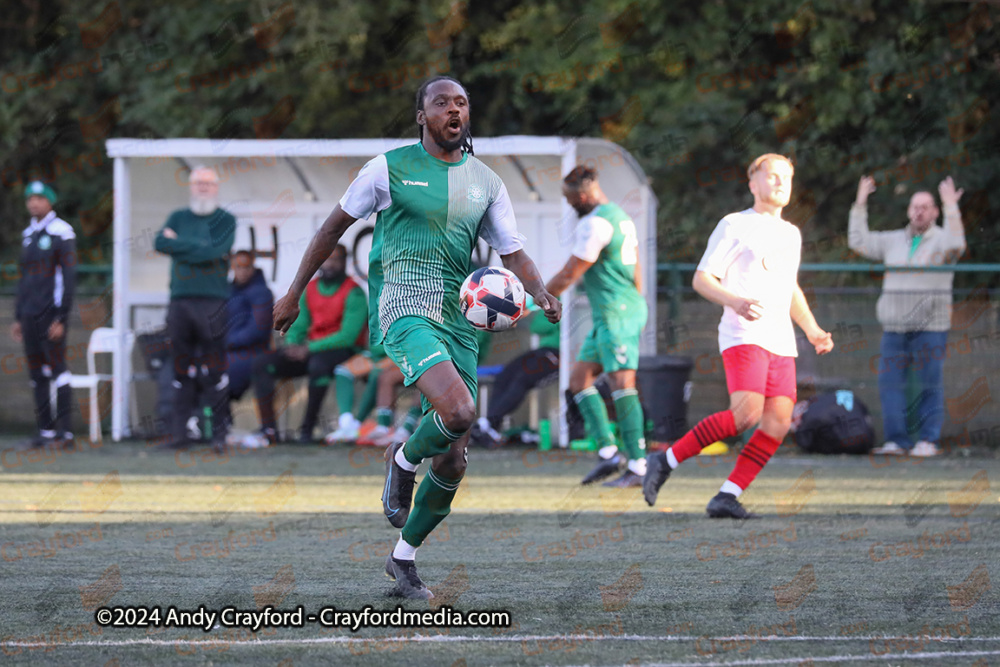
607	237
430	214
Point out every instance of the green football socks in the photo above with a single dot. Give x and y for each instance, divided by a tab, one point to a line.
595	416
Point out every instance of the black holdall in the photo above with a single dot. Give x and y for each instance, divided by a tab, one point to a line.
835	422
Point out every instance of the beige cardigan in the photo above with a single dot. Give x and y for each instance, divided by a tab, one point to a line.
911	300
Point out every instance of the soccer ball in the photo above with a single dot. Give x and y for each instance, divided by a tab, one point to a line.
492	299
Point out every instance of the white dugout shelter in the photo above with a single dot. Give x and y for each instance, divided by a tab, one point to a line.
281	191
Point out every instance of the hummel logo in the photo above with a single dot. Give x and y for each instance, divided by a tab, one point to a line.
426	359
420	183
621	354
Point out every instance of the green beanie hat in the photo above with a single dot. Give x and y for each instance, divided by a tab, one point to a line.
40	189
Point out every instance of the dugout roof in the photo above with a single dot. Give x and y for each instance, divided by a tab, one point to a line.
281	191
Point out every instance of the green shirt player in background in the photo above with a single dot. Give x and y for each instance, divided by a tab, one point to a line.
433	199
606	254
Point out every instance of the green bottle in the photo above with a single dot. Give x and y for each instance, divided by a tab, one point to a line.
208	422
544	435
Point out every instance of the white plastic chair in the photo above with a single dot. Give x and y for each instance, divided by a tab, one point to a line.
103	340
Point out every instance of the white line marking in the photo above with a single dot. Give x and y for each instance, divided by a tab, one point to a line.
147	641
830	658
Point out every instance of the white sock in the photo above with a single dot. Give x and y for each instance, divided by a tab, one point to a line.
403	463
347	420
607	451
404	551
638	466
729	487
671	459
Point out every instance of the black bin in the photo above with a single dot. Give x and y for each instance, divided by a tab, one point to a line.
664	386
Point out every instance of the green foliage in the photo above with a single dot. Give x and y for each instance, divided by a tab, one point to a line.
694	90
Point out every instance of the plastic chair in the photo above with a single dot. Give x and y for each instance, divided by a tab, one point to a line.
103	340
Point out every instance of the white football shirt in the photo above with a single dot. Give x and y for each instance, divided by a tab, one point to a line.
756	256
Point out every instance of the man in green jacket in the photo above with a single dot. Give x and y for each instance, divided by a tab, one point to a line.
198	240
331	328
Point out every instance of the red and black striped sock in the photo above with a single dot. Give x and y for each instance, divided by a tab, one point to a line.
753	458
708	430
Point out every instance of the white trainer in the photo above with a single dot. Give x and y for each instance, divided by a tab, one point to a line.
924	448
254	441
342	435
889	448
376	437
347	430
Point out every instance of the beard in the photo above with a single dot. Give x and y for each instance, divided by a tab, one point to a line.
450	144
332	276
203	205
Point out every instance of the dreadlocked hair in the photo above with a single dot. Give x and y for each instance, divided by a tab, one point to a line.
422	91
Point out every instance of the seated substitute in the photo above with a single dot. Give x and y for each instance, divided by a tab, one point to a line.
249	334
331	328
518	377
367	365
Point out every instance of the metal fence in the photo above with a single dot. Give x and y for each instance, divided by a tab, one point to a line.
688	327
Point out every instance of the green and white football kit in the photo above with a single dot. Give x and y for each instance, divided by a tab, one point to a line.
430	215
607	237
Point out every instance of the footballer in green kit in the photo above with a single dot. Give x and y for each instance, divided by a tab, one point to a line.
433	200
606	256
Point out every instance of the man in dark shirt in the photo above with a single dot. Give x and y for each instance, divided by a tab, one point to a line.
44	296
331	328
198	240
249	334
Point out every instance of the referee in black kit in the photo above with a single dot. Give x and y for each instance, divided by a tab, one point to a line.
47	272
198	240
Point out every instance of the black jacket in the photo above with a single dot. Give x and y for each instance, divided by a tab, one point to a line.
47	270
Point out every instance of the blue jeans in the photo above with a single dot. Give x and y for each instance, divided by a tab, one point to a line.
924	352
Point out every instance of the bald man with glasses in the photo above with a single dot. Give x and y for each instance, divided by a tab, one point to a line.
914	310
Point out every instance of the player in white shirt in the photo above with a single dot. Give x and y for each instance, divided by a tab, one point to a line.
750	268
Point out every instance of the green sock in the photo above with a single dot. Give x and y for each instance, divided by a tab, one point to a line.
368	398
630	422
383	417
412	418
431	438
430	506
343	384
595	416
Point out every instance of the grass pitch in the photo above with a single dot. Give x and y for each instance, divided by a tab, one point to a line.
857	561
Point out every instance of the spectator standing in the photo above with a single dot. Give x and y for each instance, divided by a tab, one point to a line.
914	309
47	270
198	240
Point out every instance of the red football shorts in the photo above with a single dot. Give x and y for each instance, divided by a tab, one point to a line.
752	368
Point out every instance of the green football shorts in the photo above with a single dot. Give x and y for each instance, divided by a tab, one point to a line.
416	343
613	343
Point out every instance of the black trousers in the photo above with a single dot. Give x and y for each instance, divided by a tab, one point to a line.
319	367
46	361
197	328
519	377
